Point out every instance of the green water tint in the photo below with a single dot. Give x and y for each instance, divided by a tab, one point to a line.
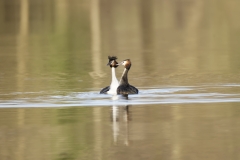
53	57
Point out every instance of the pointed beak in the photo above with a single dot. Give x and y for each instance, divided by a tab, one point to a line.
108	63
122	62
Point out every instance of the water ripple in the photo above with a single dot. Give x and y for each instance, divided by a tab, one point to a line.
151	95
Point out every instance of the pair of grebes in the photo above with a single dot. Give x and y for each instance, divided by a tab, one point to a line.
122	87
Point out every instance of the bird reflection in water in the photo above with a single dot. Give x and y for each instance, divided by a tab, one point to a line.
120	118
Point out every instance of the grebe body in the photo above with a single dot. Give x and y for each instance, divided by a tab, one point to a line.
124	87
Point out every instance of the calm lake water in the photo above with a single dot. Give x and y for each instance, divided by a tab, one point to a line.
185	62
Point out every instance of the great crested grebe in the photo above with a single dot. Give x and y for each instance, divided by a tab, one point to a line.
124	87
112	89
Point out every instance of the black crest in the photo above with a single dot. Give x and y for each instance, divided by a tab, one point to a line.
112	61
112	58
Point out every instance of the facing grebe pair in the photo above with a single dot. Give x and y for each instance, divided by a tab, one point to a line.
123	87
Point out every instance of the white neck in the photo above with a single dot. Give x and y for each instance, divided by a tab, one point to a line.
114	79
114	84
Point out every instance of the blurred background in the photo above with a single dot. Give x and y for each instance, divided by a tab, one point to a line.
169	42
56	47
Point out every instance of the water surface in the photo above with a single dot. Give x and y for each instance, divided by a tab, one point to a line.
185	63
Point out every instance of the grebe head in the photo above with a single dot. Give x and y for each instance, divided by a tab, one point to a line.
126	63
112	61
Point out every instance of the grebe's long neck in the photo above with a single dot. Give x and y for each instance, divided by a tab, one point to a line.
124	78
114	84
114	79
